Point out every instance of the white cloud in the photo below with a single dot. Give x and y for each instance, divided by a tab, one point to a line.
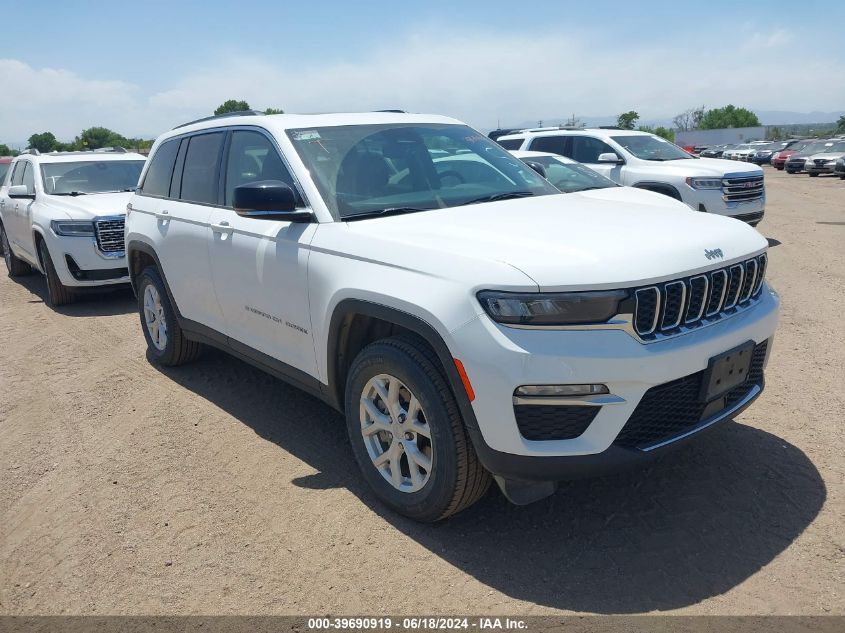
477	77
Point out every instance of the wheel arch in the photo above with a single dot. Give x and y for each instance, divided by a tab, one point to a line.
660	187
355	323
139	255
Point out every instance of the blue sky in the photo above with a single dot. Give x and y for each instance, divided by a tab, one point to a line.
142	67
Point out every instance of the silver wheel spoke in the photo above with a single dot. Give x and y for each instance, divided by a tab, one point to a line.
416	458
395	467
382	459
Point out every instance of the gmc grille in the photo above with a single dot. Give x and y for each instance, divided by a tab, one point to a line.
110	235
742	189
667	308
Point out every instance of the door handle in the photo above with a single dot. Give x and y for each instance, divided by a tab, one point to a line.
223	227
163	215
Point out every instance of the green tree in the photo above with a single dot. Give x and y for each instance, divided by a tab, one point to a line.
840	125
5	150
232	106
274	111
97	137
665	132
729	116
44	142
627	120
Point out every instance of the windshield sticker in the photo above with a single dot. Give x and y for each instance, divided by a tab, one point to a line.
305	135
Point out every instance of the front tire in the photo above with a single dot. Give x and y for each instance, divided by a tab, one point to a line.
166	341
57	293
14	266
407	434
814	174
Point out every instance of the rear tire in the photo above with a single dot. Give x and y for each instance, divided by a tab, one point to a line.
15	267
166	341
57	293
431	434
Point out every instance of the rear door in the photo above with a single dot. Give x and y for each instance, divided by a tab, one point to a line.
7	205
177	197
260	267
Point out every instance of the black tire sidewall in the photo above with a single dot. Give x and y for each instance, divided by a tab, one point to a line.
151	277
430	502
55	288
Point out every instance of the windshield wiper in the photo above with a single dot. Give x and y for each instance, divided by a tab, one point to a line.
71	193
588	189
380	213
509	195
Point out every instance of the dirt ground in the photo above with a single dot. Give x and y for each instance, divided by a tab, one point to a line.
215	489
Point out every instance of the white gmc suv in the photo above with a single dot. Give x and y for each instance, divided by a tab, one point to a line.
647	161
62	214
467	317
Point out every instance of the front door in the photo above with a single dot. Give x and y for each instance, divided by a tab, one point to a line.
260	267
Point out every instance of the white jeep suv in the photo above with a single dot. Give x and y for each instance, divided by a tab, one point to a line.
62	213
647	161
467	317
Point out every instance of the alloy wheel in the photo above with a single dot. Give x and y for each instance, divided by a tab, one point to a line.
396	433
154	317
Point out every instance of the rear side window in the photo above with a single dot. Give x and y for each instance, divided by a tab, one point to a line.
199	175
157	180
551	144
511	143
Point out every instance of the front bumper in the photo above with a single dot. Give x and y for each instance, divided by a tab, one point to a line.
826	168
712	201
794	166
79	262
503	359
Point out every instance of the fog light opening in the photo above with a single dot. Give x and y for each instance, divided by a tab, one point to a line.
545	391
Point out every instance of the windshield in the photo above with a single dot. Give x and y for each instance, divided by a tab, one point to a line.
649	147
818	147
570	177
4	168
90	176
366	169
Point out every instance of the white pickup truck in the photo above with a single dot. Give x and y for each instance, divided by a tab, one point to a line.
647	161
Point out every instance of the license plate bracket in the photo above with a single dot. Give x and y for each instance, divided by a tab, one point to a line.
726	371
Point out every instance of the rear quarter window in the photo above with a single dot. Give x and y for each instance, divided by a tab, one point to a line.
157	180
511	143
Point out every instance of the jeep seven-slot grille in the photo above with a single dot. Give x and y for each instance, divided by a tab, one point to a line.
742	189
110	235
675	408
665	309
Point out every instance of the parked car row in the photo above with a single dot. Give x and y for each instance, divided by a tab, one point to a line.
475	315
815	158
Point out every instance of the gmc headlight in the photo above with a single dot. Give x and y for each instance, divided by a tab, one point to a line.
73	228
553	308
705	183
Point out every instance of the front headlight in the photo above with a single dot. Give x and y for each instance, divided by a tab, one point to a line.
548	309
73	228
705	183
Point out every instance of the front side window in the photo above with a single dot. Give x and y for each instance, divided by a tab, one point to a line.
253	158
4	169
17	174
571	177
586	149
362	170
90	176
650	147
28	178
199	175
160	171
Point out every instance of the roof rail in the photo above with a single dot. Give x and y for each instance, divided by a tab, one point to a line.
610	127
394	111
222	116
31	150
111	150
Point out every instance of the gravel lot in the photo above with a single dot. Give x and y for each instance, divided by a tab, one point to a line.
213	488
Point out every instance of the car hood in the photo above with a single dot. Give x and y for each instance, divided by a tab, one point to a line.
827	155
715	167
605	238
91	205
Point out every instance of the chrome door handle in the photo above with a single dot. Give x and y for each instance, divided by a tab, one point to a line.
223	227
163	215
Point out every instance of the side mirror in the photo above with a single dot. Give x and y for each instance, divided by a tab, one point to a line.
610	157
538	167
20	191
268	200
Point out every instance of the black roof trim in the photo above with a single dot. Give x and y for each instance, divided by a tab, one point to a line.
222	116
